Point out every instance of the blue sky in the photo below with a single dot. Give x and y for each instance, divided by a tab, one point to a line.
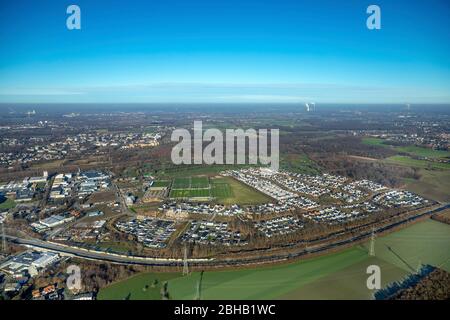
225	51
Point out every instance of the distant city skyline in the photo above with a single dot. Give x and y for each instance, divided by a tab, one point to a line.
225	51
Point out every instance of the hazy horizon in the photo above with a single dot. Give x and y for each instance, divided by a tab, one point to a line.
320	108
225	52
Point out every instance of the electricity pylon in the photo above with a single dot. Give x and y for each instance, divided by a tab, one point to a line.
372	244
185	263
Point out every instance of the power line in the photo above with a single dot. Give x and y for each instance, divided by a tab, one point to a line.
198	295
419	266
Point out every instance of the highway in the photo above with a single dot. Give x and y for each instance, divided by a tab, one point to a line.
94	255
149	261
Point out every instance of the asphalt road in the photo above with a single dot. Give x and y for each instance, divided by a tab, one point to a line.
114	258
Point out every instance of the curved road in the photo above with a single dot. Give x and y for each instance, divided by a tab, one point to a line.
122	259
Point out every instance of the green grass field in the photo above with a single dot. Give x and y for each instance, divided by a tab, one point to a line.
240	193
160	183
432	184
347	283
299	163
190	187
374	141
220	189
339	275
410	162
424	152
434	180
193	170
199	182
224	190
263	283
195	182
412	149
424	242
181	183
190	193
336	276
139	287
7	204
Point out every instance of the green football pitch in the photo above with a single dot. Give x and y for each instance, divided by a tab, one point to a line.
160	183
190	193
181	183
224	190
220	189
199	182
191	187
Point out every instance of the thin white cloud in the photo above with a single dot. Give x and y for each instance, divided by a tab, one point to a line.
224	92
263	98
38	92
